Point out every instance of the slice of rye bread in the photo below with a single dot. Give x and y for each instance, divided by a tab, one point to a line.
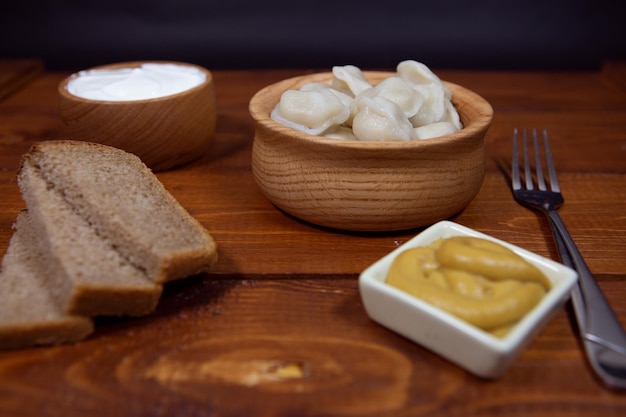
127	206
28	313
87	276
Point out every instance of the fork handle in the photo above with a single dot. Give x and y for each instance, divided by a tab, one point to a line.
578	301
566	259
597	320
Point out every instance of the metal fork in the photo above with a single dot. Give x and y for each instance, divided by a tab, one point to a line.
603	337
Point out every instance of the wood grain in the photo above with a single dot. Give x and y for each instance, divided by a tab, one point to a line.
278	328
220	348
14	74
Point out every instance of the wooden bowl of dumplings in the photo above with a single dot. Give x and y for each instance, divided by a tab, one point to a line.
368	185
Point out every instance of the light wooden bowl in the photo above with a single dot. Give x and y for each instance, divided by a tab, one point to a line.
164	132
368	186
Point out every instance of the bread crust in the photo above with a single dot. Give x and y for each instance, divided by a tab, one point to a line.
87	276
91	203
28	313
120	197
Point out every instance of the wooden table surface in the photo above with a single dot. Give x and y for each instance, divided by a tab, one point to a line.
278	328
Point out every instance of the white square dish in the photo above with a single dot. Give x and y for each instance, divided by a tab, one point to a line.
477	351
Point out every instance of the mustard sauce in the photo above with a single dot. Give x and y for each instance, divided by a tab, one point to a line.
477	280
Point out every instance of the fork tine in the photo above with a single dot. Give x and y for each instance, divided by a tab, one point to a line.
515	179
554	181
541	183
527	173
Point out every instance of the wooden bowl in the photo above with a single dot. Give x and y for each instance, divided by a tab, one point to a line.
368	186
164	132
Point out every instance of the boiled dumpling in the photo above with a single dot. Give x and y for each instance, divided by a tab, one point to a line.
315	85
350	80
437	105
433	108
399	91
379	119
413	104
345	99
342	133
452	116
416	73
434	130
313	112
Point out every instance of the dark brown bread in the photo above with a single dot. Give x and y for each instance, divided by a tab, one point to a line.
127	206
28	313
86	275
100	236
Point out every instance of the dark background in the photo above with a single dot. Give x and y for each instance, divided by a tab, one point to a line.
240	34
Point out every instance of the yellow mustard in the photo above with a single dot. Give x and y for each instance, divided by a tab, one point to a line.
475	279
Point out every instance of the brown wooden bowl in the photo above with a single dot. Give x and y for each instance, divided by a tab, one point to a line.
164	132
368	186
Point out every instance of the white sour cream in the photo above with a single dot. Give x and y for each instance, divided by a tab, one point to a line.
128	84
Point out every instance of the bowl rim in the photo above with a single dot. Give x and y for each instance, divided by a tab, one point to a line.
261	115
560	290
64	92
